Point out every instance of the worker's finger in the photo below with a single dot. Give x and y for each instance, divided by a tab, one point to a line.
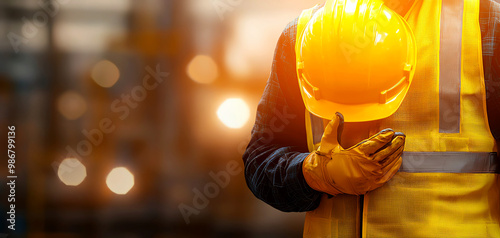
371	145
391	170
390	160
388	154
376	169
396	156
332	134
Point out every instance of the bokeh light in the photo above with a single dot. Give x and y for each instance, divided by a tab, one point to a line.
71	172
120	180
71	105
202	69
234	112
105	73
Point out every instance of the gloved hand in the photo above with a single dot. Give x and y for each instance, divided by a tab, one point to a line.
357	170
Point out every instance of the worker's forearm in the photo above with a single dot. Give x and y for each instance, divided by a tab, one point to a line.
274	175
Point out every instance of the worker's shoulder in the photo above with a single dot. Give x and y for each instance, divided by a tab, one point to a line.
495	9
489	19
290	31
489	9
495	2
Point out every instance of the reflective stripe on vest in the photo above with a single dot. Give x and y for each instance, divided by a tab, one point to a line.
449	66
450	162
448	184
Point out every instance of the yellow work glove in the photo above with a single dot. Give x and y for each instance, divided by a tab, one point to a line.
357	170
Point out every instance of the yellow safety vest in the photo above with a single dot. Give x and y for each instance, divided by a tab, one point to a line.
448	184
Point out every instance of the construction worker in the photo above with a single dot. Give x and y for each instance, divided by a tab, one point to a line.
327	92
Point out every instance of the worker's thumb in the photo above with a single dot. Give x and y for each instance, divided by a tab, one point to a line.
332	134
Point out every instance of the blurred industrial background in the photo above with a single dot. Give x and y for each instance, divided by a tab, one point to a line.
132	116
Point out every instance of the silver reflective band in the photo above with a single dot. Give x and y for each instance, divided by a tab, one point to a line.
316	128
450	65
450	162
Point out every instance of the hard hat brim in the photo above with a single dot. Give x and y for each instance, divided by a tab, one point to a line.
352	112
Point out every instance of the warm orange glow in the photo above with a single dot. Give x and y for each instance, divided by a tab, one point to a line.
120	180
202	69
234	113
105	73
71	172
71	105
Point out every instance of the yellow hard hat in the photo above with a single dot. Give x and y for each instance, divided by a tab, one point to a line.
356	57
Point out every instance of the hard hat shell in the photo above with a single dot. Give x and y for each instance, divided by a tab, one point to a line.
356	57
